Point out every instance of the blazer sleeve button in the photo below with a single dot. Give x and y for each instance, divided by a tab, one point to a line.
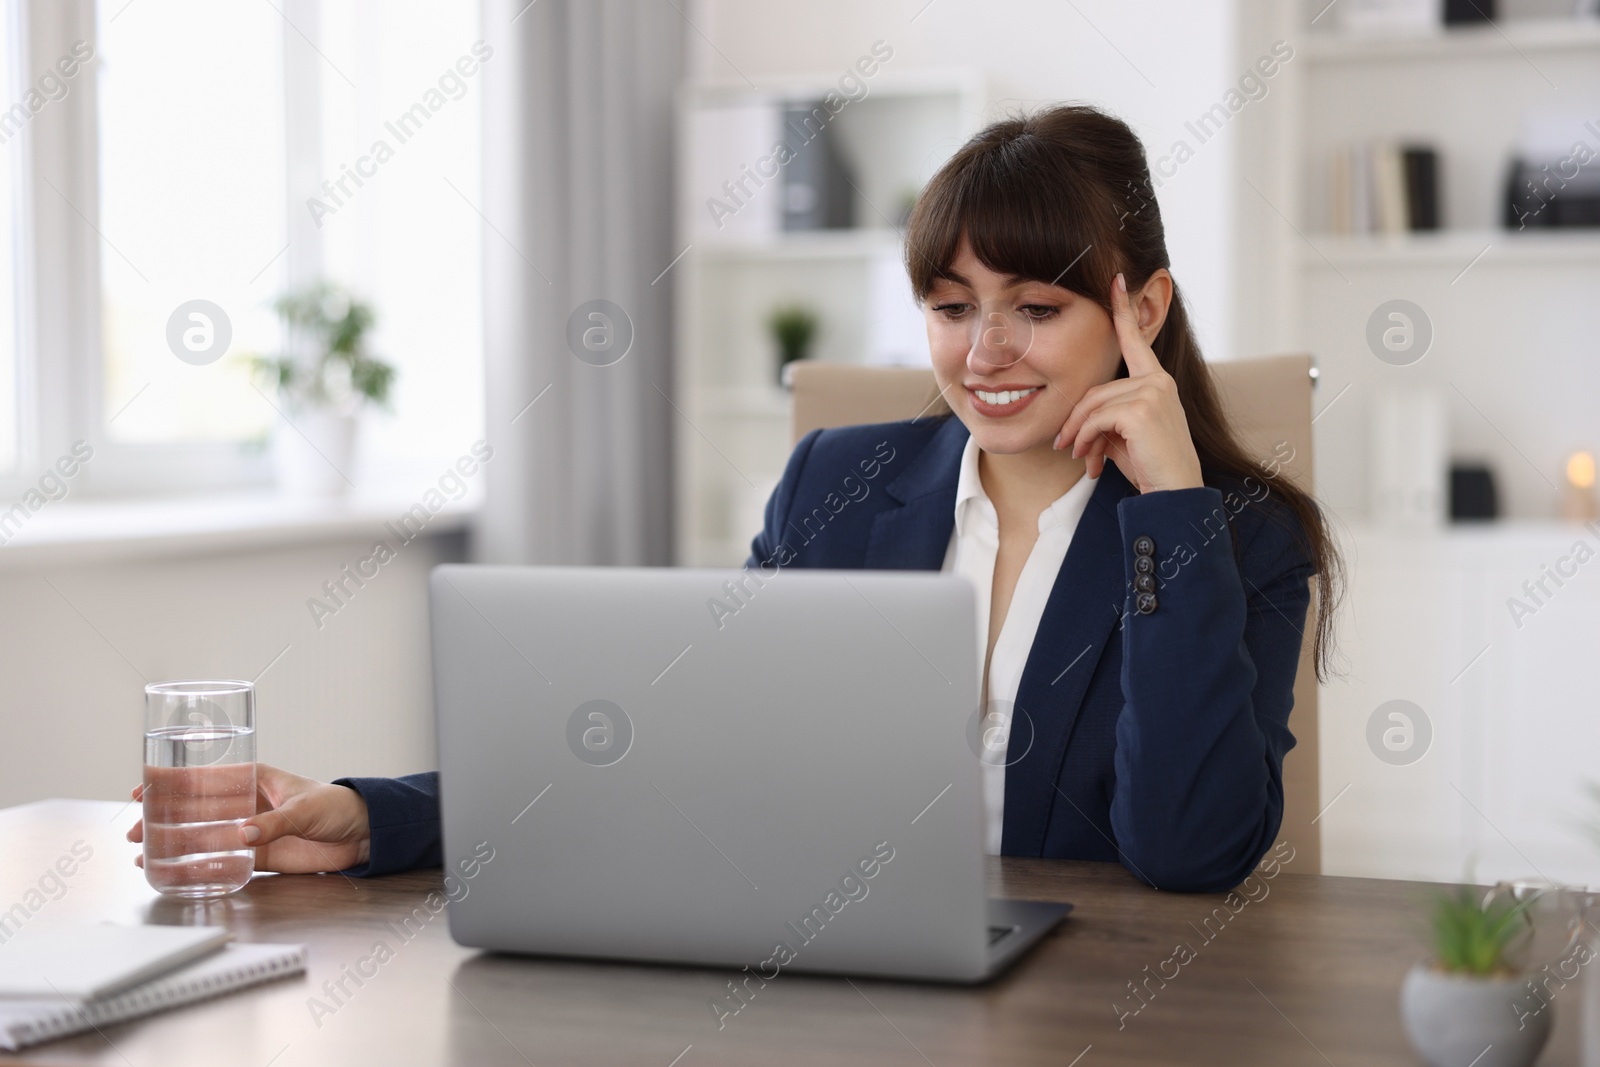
1144	583
1144	546
1143	565
1145	603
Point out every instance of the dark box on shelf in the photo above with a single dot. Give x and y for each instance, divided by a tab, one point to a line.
817	190
1466	12
1555	194
1472	493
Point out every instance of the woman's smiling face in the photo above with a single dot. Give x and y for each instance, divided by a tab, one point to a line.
1014	355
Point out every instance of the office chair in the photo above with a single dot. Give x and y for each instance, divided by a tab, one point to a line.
1268	402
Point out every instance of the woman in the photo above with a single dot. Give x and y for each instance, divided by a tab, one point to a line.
1142	585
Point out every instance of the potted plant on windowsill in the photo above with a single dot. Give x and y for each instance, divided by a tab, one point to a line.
1471	1002
323	379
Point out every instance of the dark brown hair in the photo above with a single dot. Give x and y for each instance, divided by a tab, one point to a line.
1064	196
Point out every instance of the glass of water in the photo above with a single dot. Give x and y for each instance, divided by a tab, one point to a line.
199	786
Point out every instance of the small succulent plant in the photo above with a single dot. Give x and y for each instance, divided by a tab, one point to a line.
1473	936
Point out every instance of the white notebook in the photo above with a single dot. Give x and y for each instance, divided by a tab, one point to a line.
91	961
234	966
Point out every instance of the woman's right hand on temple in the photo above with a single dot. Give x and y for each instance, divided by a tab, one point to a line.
301	826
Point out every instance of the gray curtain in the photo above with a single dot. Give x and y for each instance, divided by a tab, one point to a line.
577	206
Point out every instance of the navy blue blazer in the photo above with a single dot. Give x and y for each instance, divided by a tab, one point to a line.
1158	738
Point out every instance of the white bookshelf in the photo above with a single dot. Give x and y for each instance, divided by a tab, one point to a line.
1515	322
732	435
1512	311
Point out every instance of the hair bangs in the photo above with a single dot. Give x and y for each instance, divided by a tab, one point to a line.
1022	216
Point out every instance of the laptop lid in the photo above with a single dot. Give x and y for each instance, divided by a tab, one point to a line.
713	766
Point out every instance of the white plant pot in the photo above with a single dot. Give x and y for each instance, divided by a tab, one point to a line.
1452	1019
312	453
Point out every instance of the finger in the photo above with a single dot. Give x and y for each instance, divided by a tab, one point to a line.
1117	451
1094	464
136	833
201	794
1109	418
1141	359
279	786
138	859
191	839
1111	443
138	791
1117	388
267	826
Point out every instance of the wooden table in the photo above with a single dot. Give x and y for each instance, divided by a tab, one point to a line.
1308	973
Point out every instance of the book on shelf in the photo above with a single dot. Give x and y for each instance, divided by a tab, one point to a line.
1422	186
1384	186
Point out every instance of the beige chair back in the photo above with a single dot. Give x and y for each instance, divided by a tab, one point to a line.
1268	402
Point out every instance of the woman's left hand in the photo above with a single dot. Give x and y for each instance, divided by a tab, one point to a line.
1138	420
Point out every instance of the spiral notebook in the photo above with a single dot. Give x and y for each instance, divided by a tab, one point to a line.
98	960
234	966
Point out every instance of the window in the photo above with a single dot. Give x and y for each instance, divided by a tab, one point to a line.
191	160
192	200
407	238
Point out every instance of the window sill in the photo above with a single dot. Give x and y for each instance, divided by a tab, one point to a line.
92	531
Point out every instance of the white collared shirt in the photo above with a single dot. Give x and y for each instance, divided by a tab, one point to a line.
973	546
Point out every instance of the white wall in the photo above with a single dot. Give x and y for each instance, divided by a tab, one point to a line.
1035	52
78	642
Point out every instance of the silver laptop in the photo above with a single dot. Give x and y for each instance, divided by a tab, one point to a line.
718	767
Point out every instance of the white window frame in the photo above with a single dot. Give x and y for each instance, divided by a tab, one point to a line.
60	358
60	355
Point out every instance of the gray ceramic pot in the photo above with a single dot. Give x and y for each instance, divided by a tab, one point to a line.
1452	1019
